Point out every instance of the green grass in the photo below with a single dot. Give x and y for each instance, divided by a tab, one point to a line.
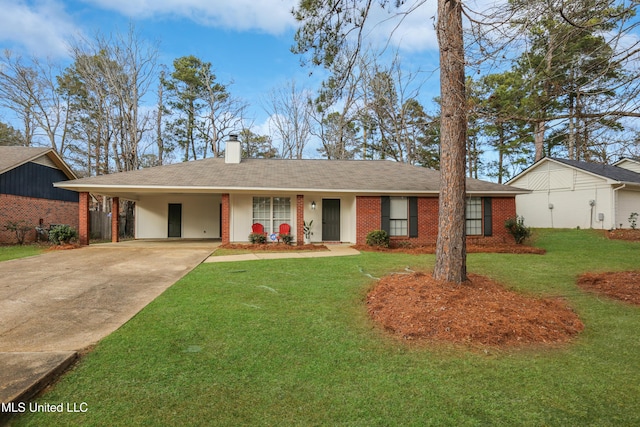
17	251
288	342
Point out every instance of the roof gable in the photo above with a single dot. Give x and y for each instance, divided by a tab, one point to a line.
614	173
630	164
607	172
12	157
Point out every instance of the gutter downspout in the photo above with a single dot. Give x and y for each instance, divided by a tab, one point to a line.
615	203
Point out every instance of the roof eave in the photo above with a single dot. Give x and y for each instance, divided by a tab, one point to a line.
158	189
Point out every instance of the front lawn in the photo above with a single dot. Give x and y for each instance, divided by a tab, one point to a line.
288	342
18	251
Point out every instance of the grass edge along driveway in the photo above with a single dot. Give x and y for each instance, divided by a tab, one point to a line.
288	342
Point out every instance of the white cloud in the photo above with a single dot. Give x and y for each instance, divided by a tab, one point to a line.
41	28
270	16
410	30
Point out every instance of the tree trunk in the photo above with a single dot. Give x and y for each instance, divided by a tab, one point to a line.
451	245
538	132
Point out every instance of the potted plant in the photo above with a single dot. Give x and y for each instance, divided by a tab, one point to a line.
307	232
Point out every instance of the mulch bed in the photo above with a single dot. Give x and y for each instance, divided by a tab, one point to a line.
431	249
63	247
621	285
274	247
481	312
624	234
415	307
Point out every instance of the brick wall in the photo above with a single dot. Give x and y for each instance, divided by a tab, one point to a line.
368	214
299	219
503	209
84	222
115	219
31	210
427	221
226	223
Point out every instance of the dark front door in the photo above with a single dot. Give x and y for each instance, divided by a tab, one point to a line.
175	220
331	220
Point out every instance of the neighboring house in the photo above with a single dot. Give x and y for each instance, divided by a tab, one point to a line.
223	198
570	194
27	193
630	164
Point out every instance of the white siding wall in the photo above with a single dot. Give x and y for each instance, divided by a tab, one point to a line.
242	215
570	192
628	202
200	216
629	165
347	215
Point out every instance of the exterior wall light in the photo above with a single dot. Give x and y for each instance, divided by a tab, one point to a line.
313	205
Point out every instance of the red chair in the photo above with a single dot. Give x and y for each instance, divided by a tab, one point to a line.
257	228
284	229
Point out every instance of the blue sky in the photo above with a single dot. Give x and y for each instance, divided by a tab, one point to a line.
247	41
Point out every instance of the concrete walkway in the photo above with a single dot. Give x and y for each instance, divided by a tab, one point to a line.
334	250
54	306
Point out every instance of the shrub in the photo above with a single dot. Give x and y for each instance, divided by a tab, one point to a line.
257	238
20	229
378	238
515	227
287	239
62	234
633	220
307	229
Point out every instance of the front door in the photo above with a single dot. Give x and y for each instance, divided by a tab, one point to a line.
331	220
175	220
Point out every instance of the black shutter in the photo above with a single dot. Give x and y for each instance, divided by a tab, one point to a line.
386	213
413	217
488	229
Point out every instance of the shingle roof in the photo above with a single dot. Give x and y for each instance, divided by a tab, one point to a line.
611	172
13	156
280	174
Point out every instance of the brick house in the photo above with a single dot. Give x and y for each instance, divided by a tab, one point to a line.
223	197
27	193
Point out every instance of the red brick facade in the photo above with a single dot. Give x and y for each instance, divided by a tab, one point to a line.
368	218
226	216
84	222
115	219
32	210
300	219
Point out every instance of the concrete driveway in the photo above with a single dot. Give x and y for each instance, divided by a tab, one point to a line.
59	303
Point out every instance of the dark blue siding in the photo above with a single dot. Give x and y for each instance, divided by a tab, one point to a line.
34	180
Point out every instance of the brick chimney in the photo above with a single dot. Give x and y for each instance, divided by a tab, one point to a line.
233	151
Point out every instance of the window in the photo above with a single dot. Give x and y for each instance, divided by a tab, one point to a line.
398	218
281	212
473	216
262	212
271	212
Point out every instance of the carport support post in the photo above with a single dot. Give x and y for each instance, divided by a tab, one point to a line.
115	219
300	219
83	220
226	215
